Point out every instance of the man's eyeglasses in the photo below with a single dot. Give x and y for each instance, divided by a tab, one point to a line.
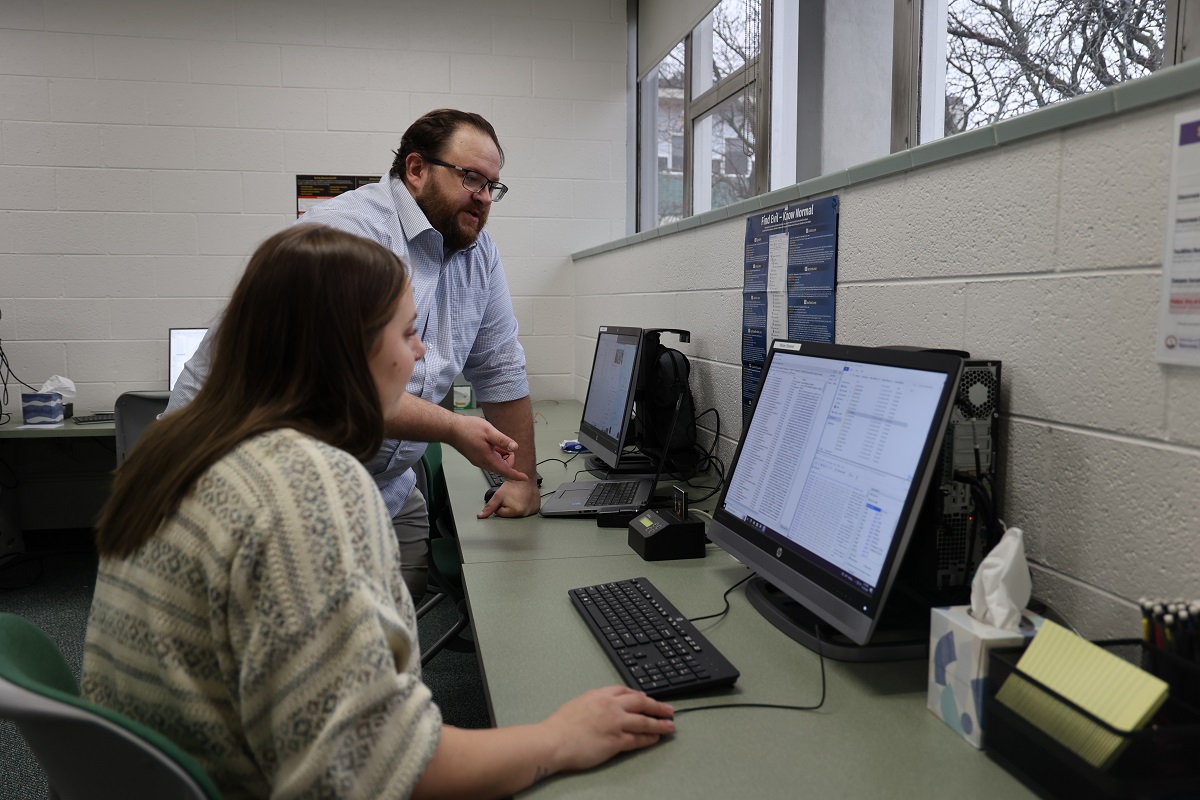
474	181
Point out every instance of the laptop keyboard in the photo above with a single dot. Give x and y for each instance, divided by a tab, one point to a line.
613	493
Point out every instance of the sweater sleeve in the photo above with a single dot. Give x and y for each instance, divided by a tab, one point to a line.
328	669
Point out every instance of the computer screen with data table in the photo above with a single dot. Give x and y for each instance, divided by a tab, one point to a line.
827	481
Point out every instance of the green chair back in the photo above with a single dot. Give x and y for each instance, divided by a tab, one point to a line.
86	750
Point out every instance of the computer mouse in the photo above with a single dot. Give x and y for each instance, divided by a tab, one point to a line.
487	496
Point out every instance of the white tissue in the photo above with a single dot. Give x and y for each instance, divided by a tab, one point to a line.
1002	585
57	383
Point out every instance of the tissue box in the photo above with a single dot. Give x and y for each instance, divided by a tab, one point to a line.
41	408
958	659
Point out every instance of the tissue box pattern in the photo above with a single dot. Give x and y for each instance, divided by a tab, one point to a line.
41	408
958	657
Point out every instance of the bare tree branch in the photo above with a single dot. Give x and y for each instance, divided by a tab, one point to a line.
1005	57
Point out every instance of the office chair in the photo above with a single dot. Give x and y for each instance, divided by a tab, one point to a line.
135	411
86	751
445	562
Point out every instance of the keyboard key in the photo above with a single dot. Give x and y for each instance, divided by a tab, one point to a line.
651	644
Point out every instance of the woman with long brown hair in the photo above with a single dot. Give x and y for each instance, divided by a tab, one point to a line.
249	603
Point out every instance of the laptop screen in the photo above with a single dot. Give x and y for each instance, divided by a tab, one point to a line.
608	408
183	343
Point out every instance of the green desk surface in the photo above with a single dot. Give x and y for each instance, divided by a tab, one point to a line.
872	738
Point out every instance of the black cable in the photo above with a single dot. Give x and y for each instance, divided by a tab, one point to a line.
559	460
6	372
982	497
780	706
724	597
720	467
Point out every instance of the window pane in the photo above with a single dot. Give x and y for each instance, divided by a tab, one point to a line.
1009	57
669	128
724	42
725	154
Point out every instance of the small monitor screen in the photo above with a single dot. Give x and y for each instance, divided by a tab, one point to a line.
608	408
183	343
824	488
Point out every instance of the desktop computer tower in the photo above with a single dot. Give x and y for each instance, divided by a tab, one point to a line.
957	525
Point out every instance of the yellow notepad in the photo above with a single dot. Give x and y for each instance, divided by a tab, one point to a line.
1105	685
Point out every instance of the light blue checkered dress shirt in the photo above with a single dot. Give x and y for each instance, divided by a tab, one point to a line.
464	317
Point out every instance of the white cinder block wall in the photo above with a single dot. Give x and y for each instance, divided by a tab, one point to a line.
1045	254
147	147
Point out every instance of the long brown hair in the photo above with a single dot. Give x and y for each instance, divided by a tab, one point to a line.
291	351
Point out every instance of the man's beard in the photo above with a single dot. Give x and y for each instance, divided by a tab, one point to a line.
443	215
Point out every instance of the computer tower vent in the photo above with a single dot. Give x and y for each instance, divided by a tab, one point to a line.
978	390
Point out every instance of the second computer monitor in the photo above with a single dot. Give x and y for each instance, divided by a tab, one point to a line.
607	425
182	345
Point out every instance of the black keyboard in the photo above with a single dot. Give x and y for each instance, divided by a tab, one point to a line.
494	479
652	645
613	493
99	416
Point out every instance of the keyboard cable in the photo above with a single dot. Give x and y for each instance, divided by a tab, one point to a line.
820	655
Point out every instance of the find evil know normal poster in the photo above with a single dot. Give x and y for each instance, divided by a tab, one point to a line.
790	281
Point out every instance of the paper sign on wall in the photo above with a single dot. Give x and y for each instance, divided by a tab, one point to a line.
1179	308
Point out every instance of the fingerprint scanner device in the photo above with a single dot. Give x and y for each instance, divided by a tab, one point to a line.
667	534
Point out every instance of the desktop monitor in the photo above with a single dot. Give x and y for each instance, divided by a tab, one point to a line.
825	489
607	425
182	344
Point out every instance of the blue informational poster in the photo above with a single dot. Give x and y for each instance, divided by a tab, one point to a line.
789	290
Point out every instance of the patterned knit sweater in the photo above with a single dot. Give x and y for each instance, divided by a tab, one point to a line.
267	631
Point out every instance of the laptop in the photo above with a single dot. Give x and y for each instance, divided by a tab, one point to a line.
606	410
589	498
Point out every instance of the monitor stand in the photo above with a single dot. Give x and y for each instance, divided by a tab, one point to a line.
902	633
630	464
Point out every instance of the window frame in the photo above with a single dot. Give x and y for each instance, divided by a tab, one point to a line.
695	108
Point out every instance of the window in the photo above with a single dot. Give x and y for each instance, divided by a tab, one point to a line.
988	60
763	94
703	120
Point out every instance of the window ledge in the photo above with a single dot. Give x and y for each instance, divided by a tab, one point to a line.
1170	83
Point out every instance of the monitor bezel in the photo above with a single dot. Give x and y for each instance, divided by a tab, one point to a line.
781	562
607	448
